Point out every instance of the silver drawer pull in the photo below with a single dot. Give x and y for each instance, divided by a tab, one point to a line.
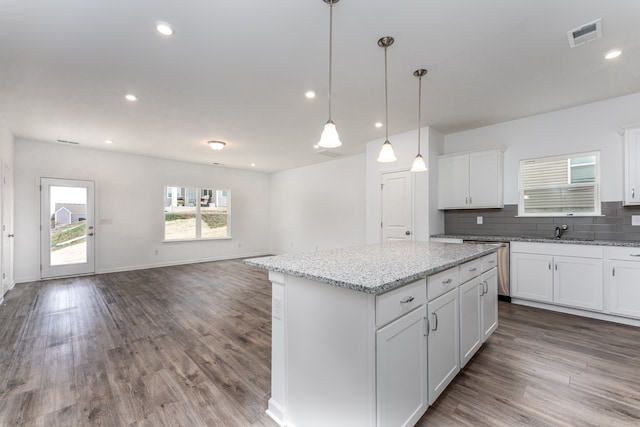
473	269
446	282
634	254
492	261
406	300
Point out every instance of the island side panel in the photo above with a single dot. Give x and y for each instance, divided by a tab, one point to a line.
330	355
278	401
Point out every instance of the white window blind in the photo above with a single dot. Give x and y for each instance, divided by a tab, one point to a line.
562	185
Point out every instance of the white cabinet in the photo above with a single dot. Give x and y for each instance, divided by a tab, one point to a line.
531	276
443	347
563	274
401	371
632	166
470	318
470	180
489	303
624	282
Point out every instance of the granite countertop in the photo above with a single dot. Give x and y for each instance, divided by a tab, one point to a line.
564	240
373	268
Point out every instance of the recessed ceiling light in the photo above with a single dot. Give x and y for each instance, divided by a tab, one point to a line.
131	97
108	141
253	165
612	54
310	94
378	124
165	29
216	145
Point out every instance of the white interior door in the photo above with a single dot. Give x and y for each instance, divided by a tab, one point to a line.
7	229
67	227
397	203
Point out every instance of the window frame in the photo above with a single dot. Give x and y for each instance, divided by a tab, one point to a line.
199	192
597	208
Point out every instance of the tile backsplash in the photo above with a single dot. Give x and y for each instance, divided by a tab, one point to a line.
614	224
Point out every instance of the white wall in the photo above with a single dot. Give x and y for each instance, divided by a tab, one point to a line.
129	207
405	147
584	128
318	207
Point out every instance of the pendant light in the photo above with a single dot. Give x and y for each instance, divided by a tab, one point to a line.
418	163
329	137
386	152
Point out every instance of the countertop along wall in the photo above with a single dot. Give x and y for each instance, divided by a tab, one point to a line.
129	207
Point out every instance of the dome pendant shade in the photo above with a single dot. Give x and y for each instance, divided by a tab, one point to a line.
386	153
418	164
329	137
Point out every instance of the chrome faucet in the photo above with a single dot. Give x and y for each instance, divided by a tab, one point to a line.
560	230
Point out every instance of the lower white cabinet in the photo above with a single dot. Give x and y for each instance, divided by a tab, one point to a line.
578	282
401	370
470	318
532	276
489	303
443	346
624	282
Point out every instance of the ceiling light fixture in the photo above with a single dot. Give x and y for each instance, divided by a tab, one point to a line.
216	145
378	124
310	94
165	28
418	163
612	54
386	152
329	137
131	97
108	141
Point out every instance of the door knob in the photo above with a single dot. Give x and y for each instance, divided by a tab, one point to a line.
407	233
11	235
90	234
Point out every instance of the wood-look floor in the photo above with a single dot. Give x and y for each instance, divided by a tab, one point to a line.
190	346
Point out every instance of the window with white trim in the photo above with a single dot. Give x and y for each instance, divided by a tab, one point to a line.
196	213
565	185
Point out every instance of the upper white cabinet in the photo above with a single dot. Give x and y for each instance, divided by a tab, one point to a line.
632	166
470	180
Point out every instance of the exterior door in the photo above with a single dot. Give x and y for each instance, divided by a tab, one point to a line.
397	203
67	227
7	229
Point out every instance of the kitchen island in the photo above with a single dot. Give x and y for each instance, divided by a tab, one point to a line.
371	335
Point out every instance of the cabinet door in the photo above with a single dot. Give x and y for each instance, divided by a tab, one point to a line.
624	288
470	338
485	179
632	167
443	348
453	182
489	306
401	365
578	282
532	277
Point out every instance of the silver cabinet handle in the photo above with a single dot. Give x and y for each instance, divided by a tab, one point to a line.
486	284
446	282
470	200
481	288
466	200
435	316
549	265
633	193
556	266
629	254
473	269
11	235
406	300
613	272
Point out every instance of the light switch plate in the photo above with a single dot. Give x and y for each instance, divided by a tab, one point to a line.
479	220
635	219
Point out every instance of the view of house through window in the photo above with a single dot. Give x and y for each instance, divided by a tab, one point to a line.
561	185
196	213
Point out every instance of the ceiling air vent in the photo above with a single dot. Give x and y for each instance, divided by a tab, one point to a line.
328	153
68	142
585	33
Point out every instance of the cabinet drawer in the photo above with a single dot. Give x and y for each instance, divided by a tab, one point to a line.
627	254
395	303
470	269
441	283
489	261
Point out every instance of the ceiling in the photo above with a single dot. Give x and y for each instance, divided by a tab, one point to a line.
237	71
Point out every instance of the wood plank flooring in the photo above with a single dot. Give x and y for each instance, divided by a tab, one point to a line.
190	346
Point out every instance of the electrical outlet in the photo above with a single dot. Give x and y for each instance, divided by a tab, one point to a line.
635	219
479	220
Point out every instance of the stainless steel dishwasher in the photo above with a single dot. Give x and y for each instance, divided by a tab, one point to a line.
504	292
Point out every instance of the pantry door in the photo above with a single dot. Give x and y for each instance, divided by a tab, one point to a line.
66	227
397	205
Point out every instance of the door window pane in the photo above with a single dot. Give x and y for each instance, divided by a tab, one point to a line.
68	225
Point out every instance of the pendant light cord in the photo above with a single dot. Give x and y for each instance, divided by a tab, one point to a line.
330	53
419	109
386	102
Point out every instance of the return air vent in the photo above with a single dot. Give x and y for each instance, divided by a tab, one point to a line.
328	153
68	142
585	33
